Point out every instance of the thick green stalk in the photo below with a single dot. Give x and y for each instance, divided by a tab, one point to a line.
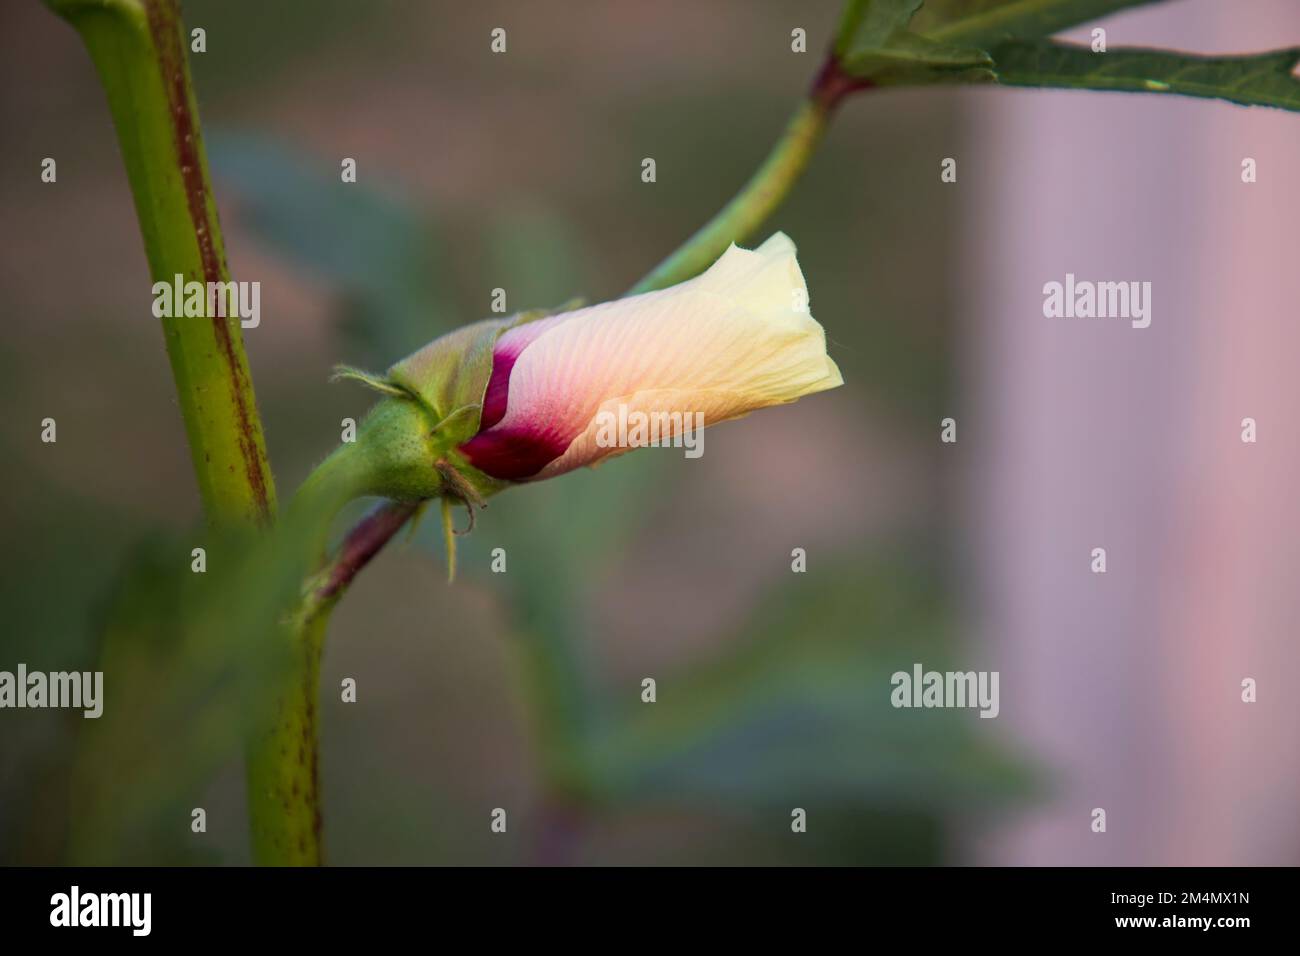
283	766
138	48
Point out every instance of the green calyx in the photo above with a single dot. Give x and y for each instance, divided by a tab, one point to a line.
405	453
407	447
449	376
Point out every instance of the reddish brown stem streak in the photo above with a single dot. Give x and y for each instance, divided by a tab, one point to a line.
164	27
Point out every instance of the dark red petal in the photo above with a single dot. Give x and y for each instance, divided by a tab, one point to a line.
497	395
521	451
513	454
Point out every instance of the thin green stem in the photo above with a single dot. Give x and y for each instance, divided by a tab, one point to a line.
362	543
764	191
750	207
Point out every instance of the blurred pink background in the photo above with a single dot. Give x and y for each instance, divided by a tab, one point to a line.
1087	433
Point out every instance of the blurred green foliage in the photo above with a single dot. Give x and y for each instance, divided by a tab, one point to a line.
192	661
799	710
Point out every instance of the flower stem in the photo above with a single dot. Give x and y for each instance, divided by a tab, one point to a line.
366	539
765	190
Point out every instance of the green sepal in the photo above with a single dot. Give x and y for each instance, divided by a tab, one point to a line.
449	539
450	375
407	447
346	373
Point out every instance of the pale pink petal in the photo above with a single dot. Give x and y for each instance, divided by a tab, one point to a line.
737	338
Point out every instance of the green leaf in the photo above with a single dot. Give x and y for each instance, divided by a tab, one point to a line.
1264	79
450	375
911	59
874	44
984	23
869	23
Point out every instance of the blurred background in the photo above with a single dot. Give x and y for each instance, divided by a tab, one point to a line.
523	690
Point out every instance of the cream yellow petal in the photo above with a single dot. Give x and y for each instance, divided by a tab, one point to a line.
737	338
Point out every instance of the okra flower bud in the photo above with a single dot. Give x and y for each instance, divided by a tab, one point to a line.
514	400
